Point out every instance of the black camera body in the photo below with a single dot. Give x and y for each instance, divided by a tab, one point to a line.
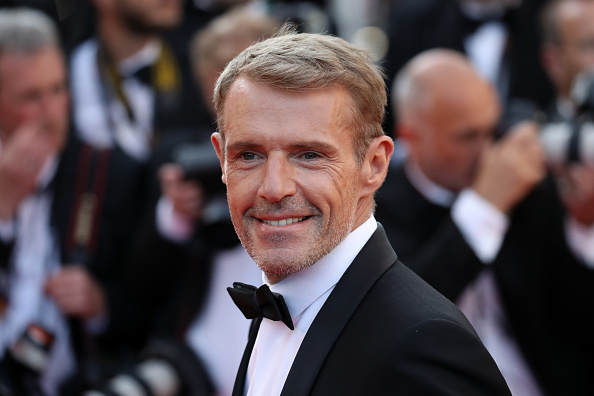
199	162
23	362
165	368
564	141
573	140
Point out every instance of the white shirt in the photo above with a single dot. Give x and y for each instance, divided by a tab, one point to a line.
97	113
220	332
485	48
305	293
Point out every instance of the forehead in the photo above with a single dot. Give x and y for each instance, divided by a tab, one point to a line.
266	113
575	14
469	107
21	71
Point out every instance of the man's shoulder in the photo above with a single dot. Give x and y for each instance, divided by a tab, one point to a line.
406	338
409	299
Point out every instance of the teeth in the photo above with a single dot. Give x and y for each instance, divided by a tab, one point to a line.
284	221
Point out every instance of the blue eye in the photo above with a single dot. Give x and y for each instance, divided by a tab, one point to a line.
248	156
310	155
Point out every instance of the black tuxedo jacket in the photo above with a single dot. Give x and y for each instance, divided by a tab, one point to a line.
545	290
384	331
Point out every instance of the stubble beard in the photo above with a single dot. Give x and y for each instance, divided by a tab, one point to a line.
142	26
322	240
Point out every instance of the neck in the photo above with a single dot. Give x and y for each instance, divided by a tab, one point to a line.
119	41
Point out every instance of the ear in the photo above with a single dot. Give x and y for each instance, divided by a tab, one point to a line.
218	143
376	163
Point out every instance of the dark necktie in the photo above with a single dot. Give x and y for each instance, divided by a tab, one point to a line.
260	302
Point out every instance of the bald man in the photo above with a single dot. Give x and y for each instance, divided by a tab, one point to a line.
480	221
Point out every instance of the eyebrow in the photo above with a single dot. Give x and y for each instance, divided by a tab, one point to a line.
311	144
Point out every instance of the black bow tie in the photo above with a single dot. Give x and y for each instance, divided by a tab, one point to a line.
470	25
144	75
260	302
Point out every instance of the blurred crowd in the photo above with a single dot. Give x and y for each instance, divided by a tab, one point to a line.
116	244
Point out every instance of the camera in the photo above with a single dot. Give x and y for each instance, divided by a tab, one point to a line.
199	162
573	140
564	141
166	368
24	361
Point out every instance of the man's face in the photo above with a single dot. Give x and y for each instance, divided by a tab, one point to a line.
575	50
33	89
293	185
452	132
149	16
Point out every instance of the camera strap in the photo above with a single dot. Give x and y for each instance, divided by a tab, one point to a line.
89	194
163	76
5	254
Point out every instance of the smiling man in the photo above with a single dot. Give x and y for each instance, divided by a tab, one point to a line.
302	153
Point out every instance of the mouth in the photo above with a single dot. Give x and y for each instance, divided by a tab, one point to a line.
282	222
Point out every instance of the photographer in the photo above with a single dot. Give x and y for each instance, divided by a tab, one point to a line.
191	253
35	350
480	220
568	57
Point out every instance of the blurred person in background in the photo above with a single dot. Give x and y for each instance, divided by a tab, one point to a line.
500	38
130	92
191	252
481	221
34	310
568	57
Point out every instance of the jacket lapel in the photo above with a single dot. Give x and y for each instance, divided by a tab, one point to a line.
239	385
374	259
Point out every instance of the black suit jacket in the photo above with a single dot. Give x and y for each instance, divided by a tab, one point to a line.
384	331
545	290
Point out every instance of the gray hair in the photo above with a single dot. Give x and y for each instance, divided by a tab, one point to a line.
302	62
24	30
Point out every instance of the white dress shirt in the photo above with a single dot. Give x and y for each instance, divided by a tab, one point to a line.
486	46
100	119
305	293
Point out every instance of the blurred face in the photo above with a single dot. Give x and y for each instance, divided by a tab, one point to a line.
575	50
148	16
33	89
293	185
452	131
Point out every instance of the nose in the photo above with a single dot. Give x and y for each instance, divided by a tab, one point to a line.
278	181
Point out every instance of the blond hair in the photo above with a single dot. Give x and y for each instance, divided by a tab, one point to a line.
301	62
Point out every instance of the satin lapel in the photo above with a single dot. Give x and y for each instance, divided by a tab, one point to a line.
239	385
374	259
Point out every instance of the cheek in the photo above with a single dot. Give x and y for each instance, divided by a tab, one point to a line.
329	193
240	192
14	116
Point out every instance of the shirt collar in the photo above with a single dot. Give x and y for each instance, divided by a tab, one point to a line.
301	289
433	192
145	57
